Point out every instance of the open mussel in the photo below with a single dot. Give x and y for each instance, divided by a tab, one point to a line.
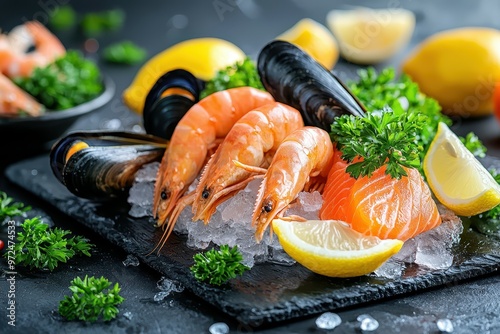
100	165
294	78
168	101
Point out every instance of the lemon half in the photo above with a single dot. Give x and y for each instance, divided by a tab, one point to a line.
369	36
332	248
457	178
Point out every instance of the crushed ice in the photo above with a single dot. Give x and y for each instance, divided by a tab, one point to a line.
131	261
128	315
445	325
368	323
231	225
168	285
219	328
328	320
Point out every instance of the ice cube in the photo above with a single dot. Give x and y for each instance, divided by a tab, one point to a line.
141	193
167	285
445	325
128	315
434	247
219	328
368	323
160	296
328	320
131	260
390	269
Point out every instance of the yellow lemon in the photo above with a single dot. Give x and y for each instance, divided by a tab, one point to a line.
332	248
457	178
459	68
315	39
369	36
201	56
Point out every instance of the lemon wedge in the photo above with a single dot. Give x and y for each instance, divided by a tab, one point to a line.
457	178
332	248
315	39
369	36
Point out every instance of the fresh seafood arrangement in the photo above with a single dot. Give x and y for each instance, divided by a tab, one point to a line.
280	138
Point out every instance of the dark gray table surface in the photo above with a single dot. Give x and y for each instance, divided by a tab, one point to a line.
472	306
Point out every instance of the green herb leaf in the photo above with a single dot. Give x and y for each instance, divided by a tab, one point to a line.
39	247
218	266
124	53
377	91
94	24
10	209
89	300
492	215
63	18
381	138
474	145
240	74
70	81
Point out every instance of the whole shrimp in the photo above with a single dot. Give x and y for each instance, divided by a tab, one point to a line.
252	141
201	129
301	162
14	100
15	60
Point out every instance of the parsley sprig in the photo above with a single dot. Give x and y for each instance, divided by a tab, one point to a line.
9	208
39	247
69	81
90	300
380	90
238	75
218	266
381	138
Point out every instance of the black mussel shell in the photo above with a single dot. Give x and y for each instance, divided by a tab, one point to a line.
161	114
294	78
105	166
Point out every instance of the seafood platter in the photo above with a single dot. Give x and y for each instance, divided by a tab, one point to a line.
330	203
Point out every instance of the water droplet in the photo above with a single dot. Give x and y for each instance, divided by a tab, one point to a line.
137	128
179	21
112	124
219	328
131	261
328	320
128	315
34	172
368	324
160	296
445	325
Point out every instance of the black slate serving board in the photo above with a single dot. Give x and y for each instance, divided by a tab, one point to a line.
268	293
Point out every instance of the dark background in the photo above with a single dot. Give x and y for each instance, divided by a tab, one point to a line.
155	25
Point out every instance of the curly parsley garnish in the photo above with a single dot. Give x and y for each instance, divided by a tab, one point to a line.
381	138
89	300
39	247
238	75
10	209
218	266
69	81
381	90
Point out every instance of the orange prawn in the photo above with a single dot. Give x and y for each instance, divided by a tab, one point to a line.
252	141
301	162
200	130
16	61
14	100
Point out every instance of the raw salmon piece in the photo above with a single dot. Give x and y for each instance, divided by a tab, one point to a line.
380	205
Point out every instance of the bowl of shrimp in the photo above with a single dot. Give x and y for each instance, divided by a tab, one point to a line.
25	114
